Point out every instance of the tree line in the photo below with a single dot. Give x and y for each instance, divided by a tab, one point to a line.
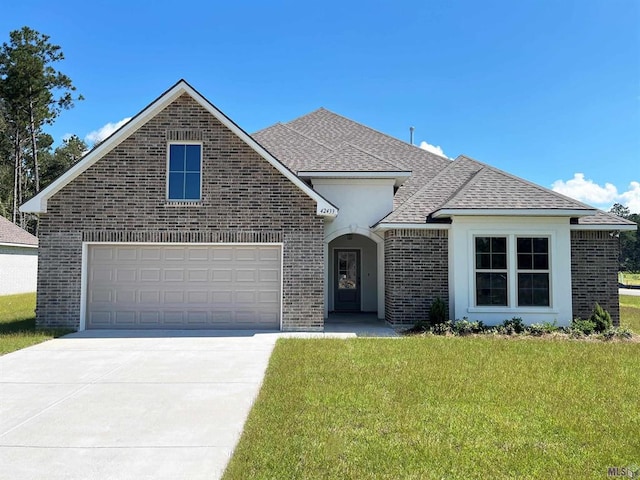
629	241
33	93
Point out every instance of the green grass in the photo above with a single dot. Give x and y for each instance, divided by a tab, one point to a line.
629	278
18	323
630	312
443	407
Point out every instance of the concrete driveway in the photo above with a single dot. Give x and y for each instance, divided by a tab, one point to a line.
134	405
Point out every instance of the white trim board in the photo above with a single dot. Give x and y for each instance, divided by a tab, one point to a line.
38	204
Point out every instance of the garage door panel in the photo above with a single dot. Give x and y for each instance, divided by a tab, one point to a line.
127	254
150	274
203	286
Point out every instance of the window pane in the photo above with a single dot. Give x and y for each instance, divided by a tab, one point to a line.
483	244
541	245
499	261
541	261
483	260
533	289
524	245
192	186
524	261
176	158
499	244
176	186
193	158
491	289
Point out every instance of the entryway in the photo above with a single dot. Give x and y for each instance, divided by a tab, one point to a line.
354	276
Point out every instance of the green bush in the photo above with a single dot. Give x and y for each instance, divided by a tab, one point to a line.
443	328
511	326
537	329
437	312
581	327
465	327
601	319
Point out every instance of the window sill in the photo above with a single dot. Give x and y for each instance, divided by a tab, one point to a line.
183	203
496	309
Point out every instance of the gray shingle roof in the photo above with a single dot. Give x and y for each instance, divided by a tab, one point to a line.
333	131
327	142
604	218
495	189
11	233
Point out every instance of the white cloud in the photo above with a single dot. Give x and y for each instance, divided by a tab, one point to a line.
103	132
588	191
432	148
631	197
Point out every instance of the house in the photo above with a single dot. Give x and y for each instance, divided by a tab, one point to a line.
181	219
18	259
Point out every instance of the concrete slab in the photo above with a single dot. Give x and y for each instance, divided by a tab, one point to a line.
162	405
137	404
635	292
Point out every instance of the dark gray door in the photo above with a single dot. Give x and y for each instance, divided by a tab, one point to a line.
346	297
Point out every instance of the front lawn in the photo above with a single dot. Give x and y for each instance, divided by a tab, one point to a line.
443	407
18	323
629	278
630	312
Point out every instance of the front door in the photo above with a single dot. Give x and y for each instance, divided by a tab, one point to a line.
346	296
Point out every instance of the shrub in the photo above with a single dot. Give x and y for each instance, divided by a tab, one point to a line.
511	326
465	327
537	329
437	312
581	327
622	333
443	328
601	319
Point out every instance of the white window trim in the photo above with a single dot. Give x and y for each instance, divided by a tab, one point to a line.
512	274
183	201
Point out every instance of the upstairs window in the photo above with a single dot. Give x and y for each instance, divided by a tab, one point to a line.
185	172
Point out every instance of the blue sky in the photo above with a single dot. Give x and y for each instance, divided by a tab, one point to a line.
545	89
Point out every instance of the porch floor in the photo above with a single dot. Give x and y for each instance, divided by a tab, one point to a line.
361	324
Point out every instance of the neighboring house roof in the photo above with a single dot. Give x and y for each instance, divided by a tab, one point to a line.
11	234
38	204
437	188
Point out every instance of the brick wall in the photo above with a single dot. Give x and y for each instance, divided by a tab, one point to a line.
122	198
416	272
594	273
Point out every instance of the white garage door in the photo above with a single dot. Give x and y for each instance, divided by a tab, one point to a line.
183	286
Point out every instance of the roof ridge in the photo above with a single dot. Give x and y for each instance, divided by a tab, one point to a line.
470	181
379	132
531	184
404	205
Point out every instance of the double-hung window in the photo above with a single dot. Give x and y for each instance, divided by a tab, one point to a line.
491	271
512	270
533	271
185	172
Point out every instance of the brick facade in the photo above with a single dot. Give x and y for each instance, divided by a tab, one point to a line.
594	273
416	269
122	198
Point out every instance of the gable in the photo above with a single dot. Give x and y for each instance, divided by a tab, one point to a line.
38	204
